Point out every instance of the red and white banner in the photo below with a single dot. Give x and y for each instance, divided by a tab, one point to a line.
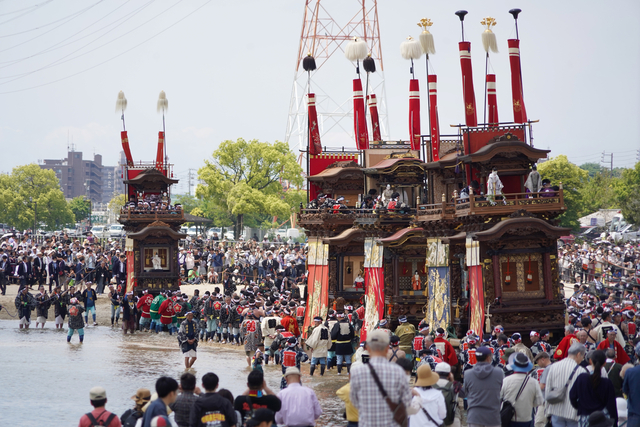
519	112
160	151
359	116
125	147
131	280
315	146
374	285
468	93
317	282
375	120
492	100
476	298
433	117
414	114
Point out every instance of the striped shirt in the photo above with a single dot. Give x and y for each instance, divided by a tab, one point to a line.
367	398
557	377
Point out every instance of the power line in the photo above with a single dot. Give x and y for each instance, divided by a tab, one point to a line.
34	8
20	10
110	59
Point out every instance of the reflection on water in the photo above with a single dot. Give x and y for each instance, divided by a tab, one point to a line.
46	381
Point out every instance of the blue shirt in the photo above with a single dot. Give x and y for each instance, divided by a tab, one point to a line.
631	387
157	407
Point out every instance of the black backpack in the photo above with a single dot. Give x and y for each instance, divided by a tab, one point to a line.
95	423
507	411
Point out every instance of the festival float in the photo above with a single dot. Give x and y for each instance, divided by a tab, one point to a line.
152	223
442	227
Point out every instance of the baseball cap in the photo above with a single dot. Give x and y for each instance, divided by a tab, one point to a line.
443	368
263	415
291	371
541	355
97	393
483	352
378	336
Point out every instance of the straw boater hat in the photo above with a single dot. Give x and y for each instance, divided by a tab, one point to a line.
426	378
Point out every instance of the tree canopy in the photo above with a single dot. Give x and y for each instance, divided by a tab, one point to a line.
244	183
81	208
29	188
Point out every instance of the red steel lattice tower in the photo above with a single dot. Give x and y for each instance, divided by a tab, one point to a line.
327	26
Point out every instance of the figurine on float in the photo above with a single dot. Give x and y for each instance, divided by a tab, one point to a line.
494	187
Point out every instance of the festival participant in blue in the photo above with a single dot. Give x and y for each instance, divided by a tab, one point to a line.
25	303
129	313
188	339
89	297
291	357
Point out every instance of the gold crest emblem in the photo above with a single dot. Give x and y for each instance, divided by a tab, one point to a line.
516	106
470	109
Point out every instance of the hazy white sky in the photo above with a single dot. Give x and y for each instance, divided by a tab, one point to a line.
228	67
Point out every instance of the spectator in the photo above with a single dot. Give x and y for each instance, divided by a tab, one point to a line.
257	396
446	385
522	391
631	387
210	406
184	402
99	415
482	386
167	391
351	413
613	371
560	375
131	416
592	392
433	410
261	418
300	406
366	396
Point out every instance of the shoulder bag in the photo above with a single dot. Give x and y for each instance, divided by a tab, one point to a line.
399	410
557	395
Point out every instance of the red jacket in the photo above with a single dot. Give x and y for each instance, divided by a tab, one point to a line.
449	355
166	312
144	304
621	356
290	325
563	347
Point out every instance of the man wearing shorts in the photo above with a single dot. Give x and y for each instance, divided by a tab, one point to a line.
188	339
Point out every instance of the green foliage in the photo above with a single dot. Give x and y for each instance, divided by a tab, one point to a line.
560	170
117	202
80	207
599	192
188	202
627	192
28	188
243	182
592	167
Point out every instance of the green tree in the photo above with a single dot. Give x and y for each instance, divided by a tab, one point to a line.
560	170
244	179
117	202
599	192
627	193
592	167
188	202
80	207
30	190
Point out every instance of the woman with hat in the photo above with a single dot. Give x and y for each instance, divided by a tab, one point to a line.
131	416
521	390
432	405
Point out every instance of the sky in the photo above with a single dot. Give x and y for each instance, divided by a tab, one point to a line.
228	69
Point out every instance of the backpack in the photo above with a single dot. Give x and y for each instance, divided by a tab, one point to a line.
132	419
95	423
450	401
507	411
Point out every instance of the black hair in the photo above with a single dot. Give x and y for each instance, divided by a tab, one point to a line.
585	321
188	382
255	379
165	385
503	338
99	403
405	364
606	315
598	358
223	392
210	381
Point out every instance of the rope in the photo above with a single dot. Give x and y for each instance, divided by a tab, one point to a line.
14	316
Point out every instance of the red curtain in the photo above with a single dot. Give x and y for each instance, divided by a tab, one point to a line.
492	100
375	121
317	294
414	114
131	281
374	289
433	117
519	112
318	163
476	298
468	93
315	147
359	116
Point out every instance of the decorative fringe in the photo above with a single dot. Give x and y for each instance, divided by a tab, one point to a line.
309	63
356	50
121	103
163	103
426	41
411	49
488	37
369	64
489	41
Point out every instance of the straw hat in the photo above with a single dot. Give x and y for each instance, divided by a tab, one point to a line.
426	377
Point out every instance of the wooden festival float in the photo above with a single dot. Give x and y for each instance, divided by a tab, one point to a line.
461	259
152	223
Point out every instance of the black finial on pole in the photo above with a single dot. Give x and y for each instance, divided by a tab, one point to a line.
515	13
461	14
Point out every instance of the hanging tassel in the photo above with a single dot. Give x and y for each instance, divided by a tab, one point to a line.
529	275
163	103
507	278
489	41
309	62
411	49
356	50
426	38
369	64
121	103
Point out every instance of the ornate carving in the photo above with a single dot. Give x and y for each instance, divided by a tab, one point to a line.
333	275
522	213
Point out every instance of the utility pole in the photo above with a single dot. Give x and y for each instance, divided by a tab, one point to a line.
190	179
608	155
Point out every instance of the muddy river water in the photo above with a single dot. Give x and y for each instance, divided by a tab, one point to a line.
44	381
